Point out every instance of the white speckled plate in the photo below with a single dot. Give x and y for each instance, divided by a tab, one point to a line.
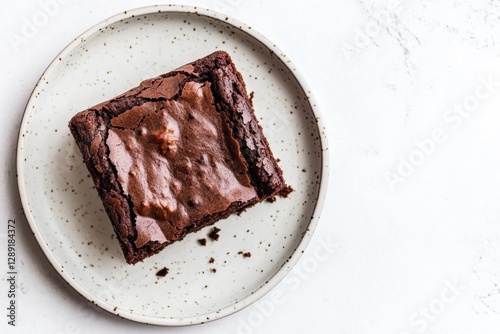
66	214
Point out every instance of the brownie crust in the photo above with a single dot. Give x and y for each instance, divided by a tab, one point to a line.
141	127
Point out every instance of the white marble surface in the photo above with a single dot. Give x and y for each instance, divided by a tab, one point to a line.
410	235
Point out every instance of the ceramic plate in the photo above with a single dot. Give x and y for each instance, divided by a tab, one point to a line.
67	216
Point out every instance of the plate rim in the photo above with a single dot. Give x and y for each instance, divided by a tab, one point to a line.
287	266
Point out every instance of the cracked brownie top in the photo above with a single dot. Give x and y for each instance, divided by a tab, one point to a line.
176	160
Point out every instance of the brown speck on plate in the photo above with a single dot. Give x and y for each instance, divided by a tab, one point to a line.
211	260
202	242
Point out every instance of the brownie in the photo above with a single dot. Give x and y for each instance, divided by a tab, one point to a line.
177	153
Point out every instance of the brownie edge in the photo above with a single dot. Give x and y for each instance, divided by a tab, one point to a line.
177	153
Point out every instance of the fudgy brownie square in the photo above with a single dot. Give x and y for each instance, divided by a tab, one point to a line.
176	154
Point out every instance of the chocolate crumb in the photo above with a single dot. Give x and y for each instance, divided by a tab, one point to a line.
162	272
251	96
213	270
202	242
214	235
285	191
271	199
211	260
245	254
